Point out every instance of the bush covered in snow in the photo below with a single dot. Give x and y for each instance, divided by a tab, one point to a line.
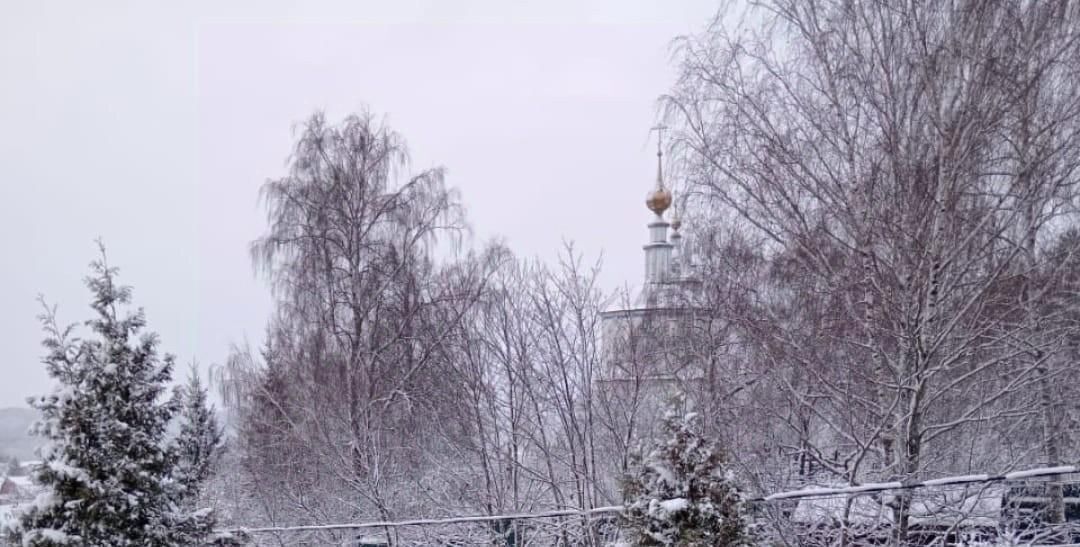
681	493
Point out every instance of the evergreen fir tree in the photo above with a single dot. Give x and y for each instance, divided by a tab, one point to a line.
13	467
681	493
107	466
197	447
199	441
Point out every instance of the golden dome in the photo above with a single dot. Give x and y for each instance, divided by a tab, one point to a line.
658	201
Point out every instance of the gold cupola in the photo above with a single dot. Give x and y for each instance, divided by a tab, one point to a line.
659	199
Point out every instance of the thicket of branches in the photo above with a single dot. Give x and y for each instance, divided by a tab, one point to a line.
402	376
892	190
883	202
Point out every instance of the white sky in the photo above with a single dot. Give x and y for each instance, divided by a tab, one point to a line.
153	124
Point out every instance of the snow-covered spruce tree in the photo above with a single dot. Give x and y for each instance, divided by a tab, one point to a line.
682	494
108	468
199	442
197	447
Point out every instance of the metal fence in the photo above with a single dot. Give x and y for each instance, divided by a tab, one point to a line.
974	510
594	528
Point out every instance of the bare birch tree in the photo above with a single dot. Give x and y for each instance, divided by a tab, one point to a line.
350	383
886	155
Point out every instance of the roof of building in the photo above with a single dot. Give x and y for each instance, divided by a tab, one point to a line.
24	482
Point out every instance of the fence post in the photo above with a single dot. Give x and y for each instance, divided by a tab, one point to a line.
507	529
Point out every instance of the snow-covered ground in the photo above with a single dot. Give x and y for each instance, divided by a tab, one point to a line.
972	507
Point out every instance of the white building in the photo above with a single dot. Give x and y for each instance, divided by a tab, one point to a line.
648	333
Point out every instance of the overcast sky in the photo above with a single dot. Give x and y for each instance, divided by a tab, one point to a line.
153	124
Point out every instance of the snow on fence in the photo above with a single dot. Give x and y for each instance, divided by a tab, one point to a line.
595	527
964	509
944	481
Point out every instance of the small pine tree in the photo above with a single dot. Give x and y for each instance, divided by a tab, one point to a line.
13	467
681	493
197	448
199	442
107	467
